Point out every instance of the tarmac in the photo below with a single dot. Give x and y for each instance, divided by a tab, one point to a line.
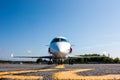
60	72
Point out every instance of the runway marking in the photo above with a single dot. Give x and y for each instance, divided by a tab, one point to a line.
24	71
60	66
71	75
21	77
18	77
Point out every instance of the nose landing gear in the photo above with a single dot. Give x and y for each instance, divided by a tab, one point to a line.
50	62
59	61
70	62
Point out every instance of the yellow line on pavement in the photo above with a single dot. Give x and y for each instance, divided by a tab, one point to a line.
24	71
71	75
13	75
60	66
21	77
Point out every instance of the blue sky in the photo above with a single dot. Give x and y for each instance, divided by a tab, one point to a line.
26	26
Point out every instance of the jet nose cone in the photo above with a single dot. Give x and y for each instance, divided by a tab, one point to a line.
60	48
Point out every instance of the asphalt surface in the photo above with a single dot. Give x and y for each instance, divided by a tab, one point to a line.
99	69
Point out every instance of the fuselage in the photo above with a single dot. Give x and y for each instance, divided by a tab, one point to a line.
60	47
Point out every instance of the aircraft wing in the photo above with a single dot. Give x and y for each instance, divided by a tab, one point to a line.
31	56
74	57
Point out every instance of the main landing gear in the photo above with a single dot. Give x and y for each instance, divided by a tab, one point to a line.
50	62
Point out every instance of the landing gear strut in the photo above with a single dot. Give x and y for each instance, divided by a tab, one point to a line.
50	62
70	62
59	61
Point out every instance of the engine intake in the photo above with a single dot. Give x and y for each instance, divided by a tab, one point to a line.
70	50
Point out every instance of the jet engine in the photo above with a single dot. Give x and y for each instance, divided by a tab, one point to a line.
70	50
49	51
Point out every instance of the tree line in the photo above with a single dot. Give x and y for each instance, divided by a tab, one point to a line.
100	59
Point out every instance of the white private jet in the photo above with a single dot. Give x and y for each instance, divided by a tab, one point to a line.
59	48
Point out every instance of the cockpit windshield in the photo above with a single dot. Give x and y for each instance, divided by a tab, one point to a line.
55	40
63	40
59	40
